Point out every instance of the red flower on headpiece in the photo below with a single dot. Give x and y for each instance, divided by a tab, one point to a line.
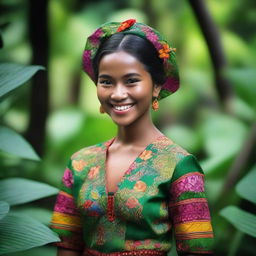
126	24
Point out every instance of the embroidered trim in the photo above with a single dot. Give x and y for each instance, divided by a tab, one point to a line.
194	235
190	212
89	252
63	219
110	210
194	227
187	175
188	201
65	204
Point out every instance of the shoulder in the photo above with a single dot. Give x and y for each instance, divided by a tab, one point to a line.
182	161
86	156
168	148
188	165
166	154
87	151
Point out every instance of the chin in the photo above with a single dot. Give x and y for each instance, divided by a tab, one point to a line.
122	123
125	122
130	119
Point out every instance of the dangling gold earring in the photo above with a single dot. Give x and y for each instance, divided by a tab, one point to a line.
155	104
102	111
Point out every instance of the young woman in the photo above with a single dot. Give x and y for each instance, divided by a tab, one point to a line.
128	195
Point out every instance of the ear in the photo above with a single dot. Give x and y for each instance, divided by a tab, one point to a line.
156	90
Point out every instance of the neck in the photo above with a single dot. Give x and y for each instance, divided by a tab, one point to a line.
141	132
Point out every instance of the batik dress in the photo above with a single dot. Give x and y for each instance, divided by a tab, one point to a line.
161	193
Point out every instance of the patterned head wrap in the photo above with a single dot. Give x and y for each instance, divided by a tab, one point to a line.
132	27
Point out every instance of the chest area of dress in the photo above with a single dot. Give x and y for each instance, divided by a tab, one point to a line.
143	185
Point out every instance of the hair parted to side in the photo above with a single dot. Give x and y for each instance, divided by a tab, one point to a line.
138	47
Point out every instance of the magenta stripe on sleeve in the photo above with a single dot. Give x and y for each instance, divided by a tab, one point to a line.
193	182
65	204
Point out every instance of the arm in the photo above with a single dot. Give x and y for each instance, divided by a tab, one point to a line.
66	219
66	252
188	209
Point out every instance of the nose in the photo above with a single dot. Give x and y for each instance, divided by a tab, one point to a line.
119	93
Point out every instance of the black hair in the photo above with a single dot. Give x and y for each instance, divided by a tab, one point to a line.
140	48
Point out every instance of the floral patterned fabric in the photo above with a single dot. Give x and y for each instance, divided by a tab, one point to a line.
161	192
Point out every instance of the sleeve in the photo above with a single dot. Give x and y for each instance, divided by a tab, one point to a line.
188	208
66	219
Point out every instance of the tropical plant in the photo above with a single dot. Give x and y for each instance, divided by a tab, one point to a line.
19	231
243	221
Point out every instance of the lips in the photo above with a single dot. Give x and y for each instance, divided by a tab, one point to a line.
122	108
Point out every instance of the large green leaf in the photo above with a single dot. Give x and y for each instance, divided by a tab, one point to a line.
40	214
58	130
246	187
4	209
184	136
13	143
38	251
242	220
18	190
217	165
1	40
244	82
18	233
14	75
222	134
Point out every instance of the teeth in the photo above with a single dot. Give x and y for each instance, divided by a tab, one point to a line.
120	108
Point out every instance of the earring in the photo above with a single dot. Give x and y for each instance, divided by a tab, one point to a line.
102	111
155	104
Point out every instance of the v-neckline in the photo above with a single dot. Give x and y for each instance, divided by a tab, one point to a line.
107	145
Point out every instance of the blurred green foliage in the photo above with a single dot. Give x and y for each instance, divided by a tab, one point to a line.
193	117
19	232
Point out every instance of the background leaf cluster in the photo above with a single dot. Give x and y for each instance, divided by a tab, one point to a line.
220	132
18	230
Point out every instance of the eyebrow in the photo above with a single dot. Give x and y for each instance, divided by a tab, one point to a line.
125	76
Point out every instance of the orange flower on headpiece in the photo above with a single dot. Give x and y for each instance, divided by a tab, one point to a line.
164	52
126	24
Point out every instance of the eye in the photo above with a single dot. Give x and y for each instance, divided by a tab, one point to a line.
105	82
132	80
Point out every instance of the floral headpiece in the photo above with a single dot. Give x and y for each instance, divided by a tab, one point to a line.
132	27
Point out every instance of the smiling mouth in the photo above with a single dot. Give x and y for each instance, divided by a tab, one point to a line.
122	108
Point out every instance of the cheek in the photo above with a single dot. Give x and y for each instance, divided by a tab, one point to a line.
101	94
144	92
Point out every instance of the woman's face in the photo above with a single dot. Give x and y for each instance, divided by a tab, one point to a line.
124	88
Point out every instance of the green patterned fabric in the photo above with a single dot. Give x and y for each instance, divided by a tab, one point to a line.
166	53
161	192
